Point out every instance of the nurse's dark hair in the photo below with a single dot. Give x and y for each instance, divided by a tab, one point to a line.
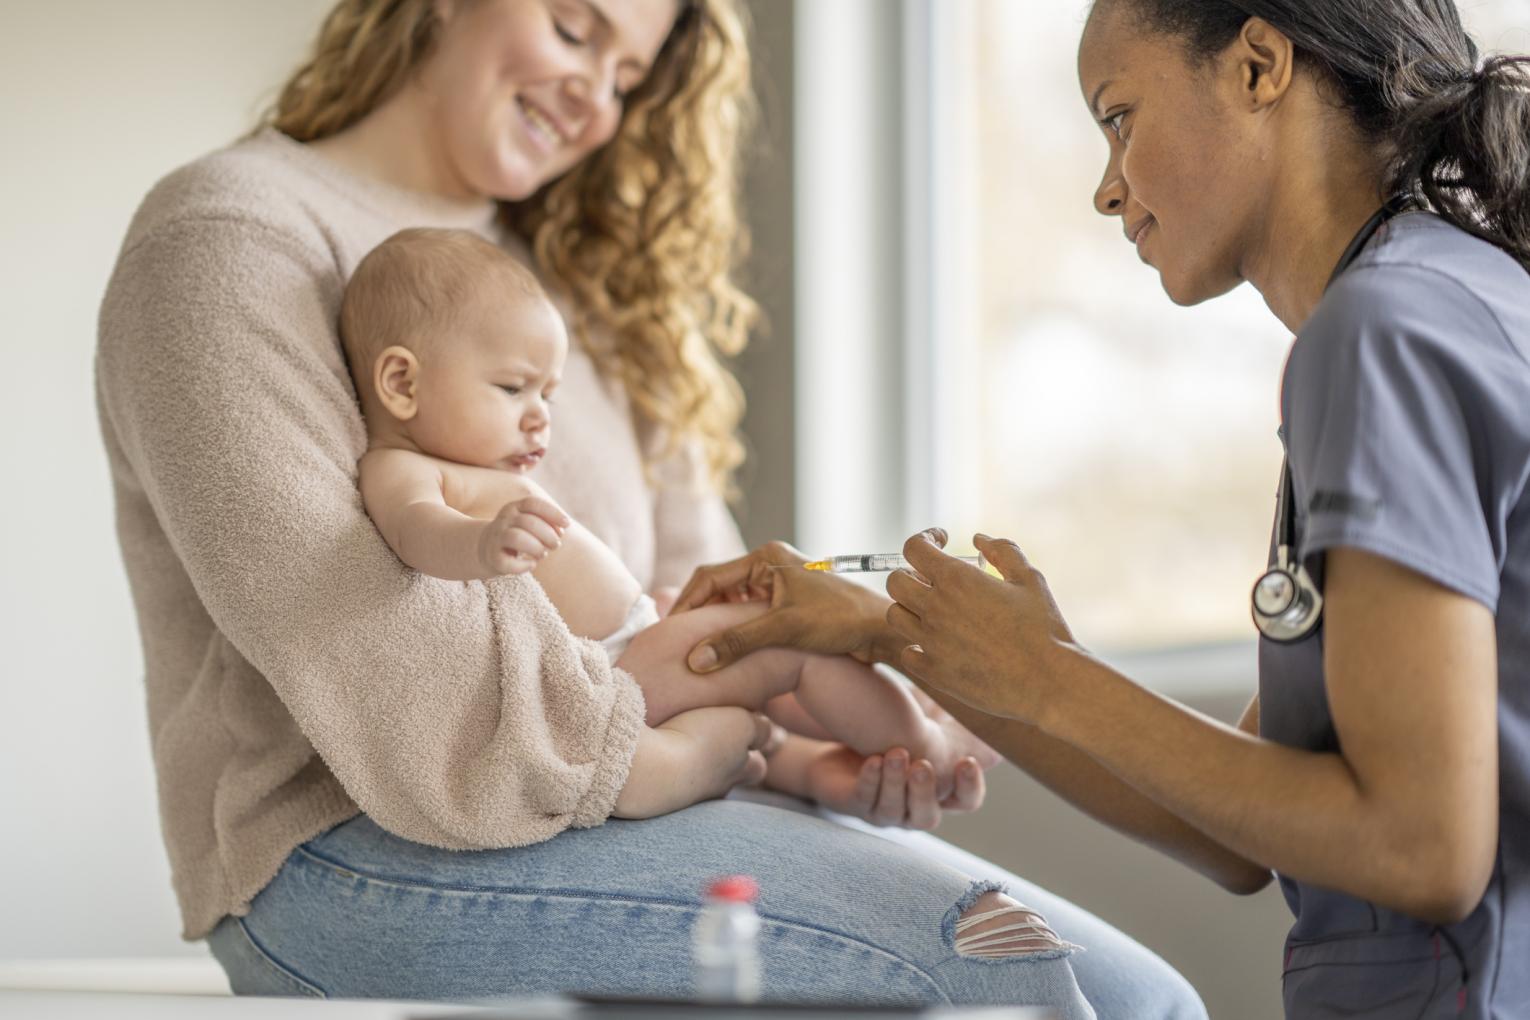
1456	128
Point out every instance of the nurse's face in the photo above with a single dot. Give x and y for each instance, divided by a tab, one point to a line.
523	90
1186	174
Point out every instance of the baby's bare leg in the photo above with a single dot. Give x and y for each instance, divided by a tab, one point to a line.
865	710
788	711
656	659
850	701
872	713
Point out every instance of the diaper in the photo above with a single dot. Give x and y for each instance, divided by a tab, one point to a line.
643	614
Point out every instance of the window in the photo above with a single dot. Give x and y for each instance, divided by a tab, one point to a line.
1127	444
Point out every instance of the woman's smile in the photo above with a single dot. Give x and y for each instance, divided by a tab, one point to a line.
1137	234
541	128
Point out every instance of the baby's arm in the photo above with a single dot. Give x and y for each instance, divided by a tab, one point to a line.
402	491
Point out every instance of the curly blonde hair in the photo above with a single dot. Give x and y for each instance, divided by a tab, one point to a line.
643	235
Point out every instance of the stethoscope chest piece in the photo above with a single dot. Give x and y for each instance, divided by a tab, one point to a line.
1287	605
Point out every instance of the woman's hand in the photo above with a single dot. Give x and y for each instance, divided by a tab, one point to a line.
987	642
813	611
695	756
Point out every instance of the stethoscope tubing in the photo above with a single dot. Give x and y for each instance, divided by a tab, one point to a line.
1300	602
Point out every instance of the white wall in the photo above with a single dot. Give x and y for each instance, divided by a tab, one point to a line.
98	99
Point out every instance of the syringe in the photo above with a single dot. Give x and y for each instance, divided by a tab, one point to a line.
873	563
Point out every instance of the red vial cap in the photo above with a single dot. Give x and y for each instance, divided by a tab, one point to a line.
734	889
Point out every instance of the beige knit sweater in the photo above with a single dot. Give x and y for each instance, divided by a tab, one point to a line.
297	672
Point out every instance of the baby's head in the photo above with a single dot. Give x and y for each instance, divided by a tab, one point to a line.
454	347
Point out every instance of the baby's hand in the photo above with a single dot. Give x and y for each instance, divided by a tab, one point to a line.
524	531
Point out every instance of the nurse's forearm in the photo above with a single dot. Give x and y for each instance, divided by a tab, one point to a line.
1299	812
1085	783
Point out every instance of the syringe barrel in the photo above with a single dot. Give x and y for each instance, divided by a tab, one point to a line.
879	563
870	563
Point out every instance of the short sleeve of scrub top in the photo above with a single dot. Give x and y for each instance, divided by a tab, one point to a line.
1389	430
1406	419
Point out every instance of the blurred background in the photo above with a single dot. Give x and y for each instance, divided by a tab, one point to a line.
955	338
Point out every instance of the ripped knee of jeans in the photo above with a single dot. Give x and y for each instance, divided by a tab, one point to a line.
989	925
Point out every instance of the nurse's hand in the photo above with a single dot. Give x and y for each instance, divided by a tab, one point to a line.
989	643
811	611
890	789
885	789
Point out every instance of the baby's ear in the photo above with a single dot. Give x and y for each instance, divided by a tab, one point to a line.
394	375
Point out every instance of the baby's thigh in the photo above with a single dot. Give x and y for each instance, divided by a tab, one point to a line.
656	659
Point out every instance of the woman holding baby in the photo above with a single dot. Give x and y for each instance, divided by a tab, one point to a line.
378	782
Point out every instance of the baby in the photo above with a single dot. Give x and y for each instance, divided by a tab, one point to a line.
456	351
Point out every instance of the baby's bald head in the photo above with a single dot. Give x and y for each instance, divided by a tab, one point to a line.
409	291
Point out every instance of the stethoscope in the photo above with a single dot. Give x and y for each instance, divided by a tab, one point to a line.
1287	603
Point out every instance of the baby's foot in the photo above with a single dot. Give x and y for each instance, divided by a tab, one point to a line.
947	742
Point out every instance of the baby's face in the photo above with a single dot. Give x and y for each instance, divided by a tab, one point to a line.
484	389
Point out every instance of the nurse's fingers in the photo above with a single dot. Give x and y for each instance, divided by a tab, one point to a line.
923	808
868	783
712	583
891	799
749	574
908	591
1004	555
904	623
970	789
914	662
778	627
925	551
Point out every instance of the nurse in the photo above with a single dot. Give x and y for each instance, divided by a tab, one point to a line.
1358	164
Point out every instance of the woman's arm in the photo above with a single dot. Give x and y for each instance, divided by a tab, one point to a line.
1405	816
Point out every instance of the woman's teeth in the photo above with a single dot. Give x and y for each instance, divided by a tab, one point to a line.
541	124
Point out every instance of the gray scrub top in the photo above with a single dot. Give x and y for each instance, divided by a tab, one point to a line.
1406	418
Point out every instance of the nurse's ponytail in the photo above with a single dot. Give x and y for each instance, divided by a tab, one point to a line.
1456	129
1463	148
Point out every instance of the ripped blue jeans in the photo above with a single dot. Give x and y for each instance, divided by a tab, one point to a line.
846	917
